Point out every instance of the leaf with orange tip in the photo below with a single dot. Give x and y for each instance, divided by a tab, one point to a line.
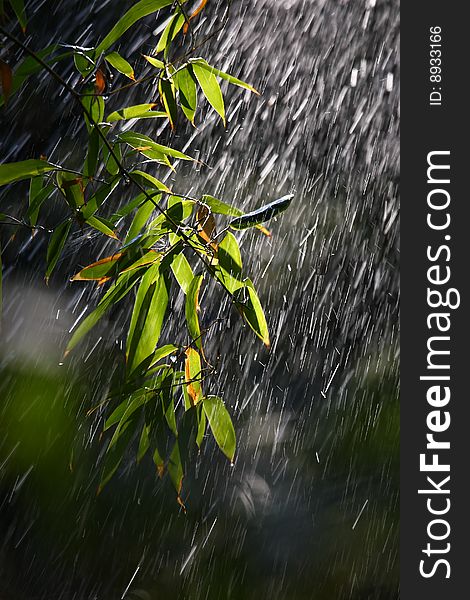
98	270
6	75
194	14
266	232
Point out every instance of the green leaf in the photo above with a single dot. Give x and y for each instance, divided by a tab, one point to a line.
100	225
115	454
93	108
186	85
221	425
116	292
191	310
139	111
182	271
18	7
148	180
99	269
99	198
262	214
210	88
144	444
91	159
1	286
136	12
192	377
158	64
163	352
140	219
230	78
16	171
230	263
221	208
172	29
120	64
253	313
71	186
166	90
202	424
56	245
37	195
139	140
175	468
147	317
84	62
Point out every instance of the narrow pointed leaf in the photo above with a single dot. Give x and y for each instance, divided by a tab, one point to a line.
136	12
221	425
148	180
191	310
18	7
230	78
185	82
56	245
121	288
99	269
139	140
147	317
175	468
158	64
253	313
140	219
99	224
16	171
182	271
221	208
139	111
210	88
120	64
174	25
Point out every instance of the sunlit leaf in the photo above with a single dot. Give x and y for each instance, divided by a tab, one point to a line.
24	169
120	64
139	111
148	180
139	140
210	88
100	225
170	32
71	186
163	352
262	214
253	313
192	309
147	259
221	208
221	425
230	78
186	85
111	163
147	317
56	245
99	198
193	375
99	269
136	12
182	271
84	62
6	78
158	64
